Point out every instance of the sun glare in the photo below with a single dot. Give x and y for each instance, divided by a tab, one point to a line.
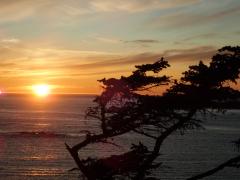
41	90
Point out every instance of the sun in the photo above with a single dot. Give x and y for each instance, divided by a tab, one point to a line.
41	90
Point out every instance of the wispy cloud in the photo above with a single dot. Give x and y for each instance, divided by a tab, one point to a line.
137	5
14	10
143	41
10	41
184	19
237	32
201	36
198	37
104	60
74	69
108	40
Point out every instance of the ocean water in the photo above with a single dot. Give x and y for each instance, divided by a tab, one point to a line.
33	132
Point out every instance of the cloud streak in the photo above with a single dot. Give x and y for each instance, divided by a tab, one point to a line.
62	8
137	5
184	19
100	62
67	72
10	41
143	41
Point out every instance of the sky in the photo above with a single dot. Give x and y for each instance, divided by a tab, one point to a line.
70	44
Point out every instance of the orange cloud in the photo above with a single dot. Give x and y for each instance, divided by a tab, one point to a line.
184	19
81	72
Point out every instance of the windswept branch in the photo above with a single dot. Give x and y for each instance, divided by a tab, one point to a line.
234	162
145	134
160	140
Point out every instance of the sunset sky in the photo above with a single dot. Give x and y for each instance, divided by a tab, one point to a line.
70	44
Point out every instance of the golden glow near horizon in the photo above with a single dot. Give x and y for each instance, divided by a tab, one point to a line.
41	90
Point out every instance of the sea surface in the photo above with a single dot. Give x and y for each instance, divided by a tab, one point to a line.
33	132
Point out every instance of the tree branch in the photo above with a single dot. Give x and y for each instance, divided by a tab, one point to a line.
145	134
229	163
160	141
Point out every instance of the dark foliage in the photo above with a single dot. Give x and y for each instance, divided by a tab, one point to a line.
124	107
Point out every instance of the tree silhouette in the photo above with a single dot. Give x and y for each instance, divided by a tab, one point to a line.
125	107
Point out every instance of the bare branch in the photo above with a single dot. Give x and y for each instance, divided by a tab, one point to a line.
230	163
145	134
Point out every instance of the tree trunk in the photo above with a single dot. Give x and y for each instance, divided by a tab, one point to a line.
74	154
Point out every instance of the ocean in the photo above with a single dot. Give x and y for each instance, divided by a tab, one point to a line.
33	132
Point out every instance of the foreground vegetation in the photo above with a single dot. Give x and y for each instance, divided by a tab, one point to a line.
124	107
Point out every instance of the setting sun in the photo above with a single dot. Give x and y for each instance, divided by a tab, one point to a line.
41	90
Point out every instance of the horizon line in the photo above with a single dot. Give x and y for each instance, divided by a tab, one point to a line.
20	93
